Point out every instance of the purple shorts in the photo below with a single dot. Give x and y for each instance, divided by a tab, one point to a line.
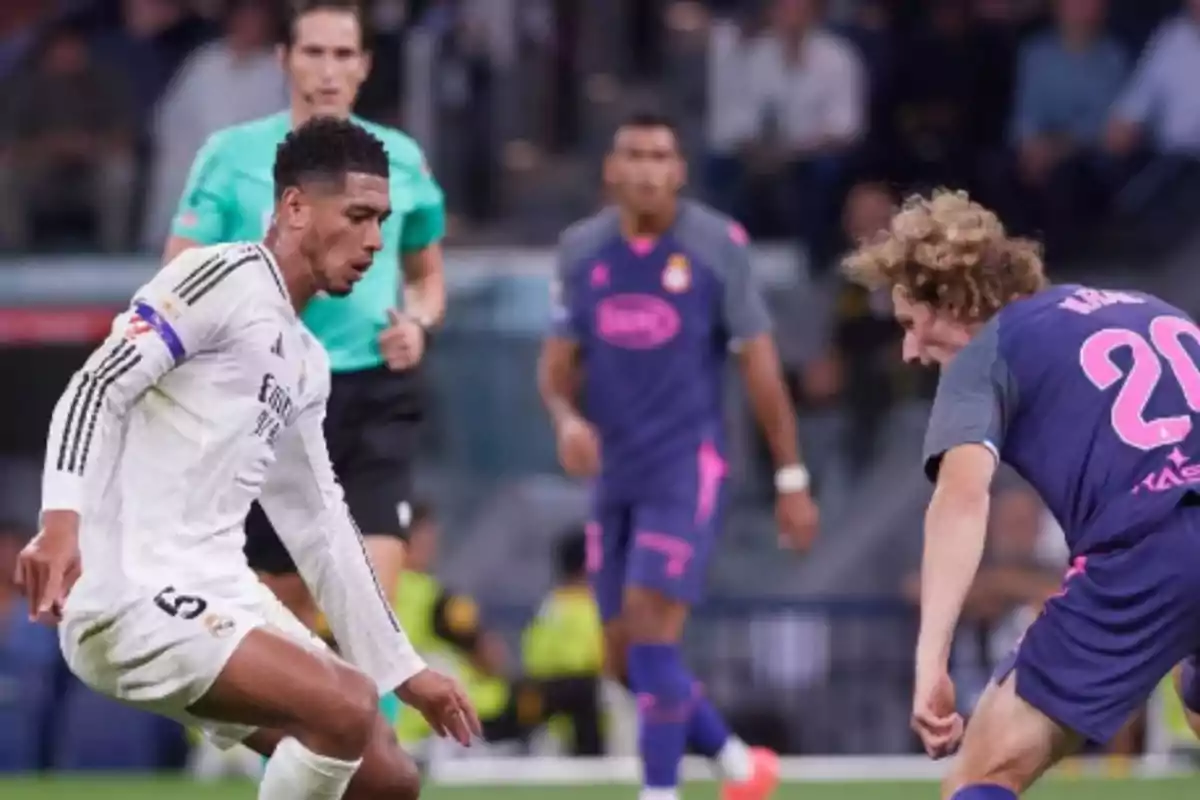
664	546
1123	619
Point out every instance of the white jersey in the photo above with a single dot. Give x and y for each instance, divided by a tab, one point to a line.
209	394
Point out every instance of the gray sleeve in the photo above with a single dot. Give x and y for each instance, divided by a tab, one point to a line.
574	246
976	398
727	248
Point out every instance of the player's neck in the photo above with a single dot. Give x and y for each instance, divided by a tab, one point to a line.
642	226
297	272
302	113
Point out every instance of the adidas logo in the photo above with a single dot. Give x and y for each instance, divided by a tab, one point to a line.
277	348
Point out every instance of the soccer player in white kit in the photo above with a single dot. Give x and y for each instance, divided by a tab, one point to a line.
209	394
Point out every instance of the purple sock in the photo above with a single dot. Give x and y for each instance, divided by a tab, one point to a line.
984	791
664	695
1189	688
707	731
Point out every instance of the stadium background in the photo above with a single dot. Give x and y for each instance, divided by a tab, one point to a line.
1084	135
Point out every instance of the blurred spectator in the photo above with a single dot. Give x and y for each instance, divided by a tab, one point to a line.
794	105
29	670
148	47
1160	109
864	333
446	630
18	32
953	84
1067	81
67	145
199	103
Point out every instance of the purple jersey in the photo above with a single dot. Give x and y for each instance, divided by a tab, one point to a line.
1092	397
654	321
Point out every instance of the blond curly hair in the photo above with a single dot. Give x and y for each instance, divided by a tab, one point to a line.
952	253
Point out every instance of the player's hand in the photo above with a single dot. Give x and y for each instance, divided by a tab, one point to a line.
444	705
403	342
934	717
578	447
797	516
47	568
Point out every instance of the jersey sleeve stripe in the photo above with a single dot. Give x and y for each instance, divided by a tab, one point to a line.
275	276
161	327
206	267
92	394
124	366
194	293
362	545
85	380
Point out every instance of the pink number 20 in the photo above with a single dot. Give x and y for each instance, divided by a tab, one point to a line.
1129	408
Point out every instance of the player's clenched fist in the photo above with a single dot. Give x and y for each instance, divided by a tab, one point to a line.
444	705
402	343
934	717
48	566
578	447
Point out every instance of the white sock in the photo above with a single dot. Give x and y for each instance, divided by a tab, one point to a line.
296	773
659	794
734	760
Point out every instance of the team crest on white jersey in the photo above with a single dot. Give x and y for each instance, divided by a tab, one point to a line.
677	277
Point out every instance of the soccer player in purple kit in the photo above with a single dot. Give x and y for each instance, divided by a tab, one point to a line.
1091	396
653	292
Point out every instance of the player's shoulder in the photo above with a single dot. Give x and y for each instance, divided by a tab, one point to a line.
248	140
403	151
234	275
588	235
702	228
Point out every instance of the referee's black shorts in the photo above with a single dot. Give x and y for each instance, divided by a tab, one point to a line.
371	427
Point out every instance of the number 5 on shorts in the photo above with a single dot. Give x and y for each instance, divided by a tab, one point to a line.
184	606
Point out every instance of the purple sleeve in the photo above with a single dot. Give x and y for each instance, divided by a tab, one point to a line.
976	397
564	318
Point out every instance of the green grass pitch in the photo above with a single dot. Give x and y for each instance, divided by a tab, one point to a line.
102	788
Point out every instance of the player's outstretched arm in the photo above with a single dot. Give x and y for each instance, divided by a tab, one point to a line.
305	504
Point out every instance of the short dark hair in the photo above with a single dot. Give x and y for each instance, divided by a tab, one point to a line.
327	149
650	119
300	8
571	555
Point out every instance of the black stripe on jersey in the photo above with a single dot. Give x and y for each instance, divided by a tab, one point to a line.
205	269
275	276
81	404
192	295
120	368
362	546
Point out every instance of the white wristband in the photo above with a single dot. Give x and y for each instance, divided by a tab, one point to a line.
791	479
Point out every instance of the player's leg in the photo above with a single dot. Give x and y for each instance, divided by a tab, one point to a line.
268	557
1186	677
386	771
667	564
1008	745
1086	665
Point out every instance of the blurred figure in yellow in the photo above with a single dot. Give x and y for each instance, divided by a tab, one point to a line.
445	629
566	638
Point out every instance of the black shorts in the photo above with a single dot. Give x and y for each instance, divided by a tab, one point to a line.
371	428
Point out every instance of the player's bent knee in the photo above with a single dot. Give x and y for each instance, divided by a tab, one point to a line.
651	616
387	772
352	721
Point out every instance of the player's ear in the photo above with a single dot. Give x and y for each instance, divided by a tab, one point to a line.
294	209
281	53
610	172
364	66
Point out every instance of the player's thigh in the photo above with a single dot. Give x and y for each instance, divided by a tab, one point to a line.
606	539
386	773
1008	742
667	568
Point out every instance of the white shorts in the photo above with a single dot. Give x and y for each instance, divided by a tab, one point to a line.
163	653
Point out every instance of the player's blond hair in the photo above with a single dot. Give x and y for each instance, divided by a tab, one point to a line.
952	253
